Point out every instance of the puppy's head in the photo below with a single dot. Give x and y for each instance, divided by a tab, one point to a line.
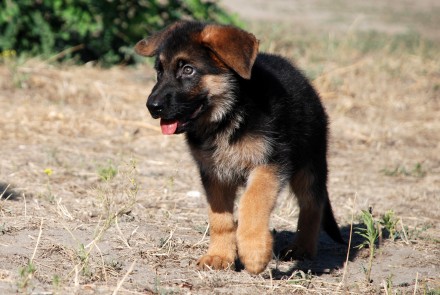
197	65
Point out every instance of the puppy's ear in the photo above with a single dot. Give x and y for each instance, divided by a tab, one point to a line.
236	48
149	46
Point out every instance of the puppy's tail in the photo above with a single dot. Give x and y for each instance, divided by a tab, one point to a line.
329	224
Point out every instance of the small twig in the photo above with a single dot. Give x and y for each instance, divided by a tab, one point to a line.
385	287
25	206
65	52
349	244
103	263
132	233
2	194
404	232
121	237
200	275
38	240
63	209
201	240
70	232
415	286
271	279
97	237
169	238
130	269
76	279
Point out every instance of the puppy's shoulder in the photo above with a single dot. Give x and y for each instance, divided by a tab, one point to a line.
278	69
272	60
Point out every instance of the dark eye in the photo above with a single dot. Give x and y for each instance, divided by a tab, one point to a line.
187	70
159	74
159	70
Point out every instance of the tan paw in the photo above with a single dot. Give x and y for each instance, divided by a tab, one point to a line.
255	251
207	262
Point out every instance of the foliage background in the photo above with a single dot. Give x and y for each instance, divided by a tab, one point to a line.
93	30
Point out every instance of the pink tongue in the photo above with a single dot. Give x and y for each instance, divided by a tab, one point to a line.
168	126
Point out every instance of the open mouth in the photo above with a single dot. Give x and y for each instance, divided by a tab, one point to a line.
175	126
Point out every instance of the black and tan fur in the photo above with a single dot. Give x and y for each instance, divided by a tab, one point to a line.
251	119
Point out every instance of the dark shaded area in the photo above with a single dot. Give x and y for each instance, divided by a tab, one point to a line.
7	192
331	255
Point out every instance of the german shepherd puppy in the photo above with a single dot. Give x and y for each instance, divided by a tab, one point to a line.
251	119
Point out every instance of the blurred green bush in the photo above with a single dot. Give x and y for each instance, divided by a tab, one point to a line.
89	30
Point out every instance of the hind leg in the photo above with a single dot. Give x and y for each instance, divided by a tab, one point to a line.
312	195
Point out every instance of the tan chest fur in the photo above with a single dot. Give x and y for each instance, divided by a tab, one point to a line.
231	162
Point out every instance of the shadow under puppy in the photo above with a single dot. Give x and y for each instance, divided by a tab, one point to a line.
251	119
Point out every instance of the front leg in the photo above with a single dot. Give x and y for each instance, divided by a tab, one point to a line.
253	236
222	249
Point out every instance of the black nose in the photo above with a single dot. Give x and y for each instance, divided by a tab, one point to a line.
155	108
157	104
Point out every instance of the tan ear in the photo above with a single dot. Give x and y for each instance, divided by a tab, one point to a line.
149	46
236	48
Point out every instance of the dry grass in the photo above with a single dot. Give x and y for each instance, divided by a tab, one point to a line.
141	230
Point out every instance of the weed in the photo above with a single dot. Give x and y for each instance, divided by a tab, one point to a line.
433	292
418	232
26	274
389	222
418	170
83	256
49	195
56	281
400	170
114	265
108	172
48	171
167	243
300	278
108	196
3	229
370	232
158	289
389	284
115	201
169	185
14	63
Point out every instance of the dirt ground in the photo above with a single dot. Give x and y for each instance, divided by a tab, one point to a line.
95	200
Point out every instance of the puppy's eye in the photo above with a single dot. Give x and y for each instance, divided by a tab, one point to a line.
159	74
187	70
